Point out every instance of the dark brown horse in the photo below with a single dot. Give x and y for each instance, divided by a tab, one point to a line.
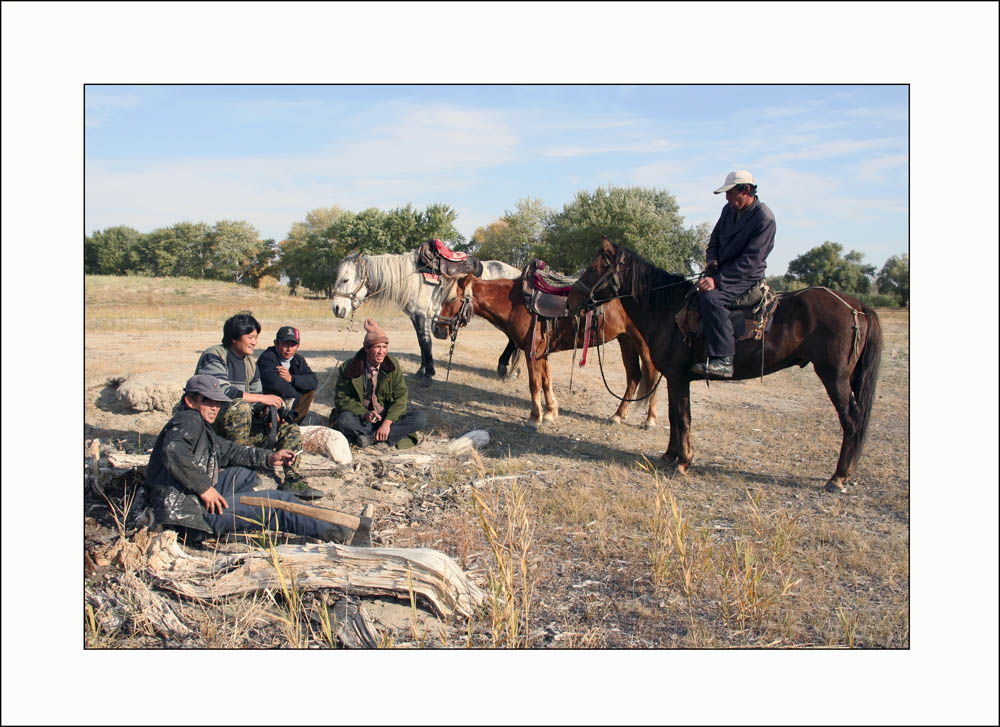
836	333
502	304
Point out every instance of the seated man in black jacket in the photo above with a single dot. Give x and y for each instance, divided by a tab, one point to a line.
195	477
285	373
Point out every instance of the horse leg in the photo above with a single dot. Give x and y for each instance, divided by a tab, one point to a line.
838	388
534	388
630	357
649	387
679	449
504	361
426	370
551	405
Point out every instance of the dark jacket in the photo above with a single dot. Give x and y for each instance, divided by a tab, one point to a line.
303	378
236	374
391	390
186	461
741	246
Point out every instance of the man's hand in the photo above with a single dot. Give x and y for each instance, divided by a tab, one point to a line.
382	433
282	456
706	284
214	502
284	373
372	418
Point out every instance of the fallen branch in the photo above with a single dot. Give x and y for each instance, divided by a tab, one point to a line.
353	570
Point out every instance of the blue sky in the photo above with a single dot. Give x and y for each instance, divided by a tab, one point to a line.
831	160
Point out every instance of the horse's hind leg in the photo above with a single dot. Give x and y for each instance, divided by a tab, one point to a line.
633	375
648	389
838	387
504	368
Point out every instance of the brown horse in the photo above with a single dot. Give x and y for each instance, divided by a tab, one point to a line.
502	304
836	333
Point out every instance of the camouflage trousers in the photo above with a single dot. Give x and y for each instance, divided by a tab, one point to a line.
238	424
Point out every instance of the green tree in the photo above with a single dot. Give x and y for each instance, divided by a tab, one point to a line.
894	278
233	246
107	252
517	237
825	265
643	219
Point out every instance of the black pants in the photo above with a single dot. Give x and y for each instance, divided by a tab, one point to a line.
717	326
236	481
351	425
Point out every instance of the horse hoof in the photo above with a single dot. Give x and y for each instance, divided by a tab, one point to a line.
549	416
616	419
835	486
682	468
649	424
501	372
669	457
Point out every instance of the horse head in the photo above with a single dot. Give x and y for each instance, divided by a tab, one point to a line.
601	281
456	307
351	285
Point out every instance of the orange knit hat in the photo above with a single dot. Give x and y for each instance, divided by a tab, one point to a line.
374	334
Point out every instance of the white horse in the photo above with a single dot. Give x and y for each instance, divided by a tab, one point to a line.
396	277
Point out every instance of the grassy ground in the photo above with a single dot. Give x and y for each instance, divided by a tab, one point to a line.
593	543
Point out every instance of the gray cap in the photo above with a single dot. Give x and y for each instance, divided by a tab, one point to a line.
208	386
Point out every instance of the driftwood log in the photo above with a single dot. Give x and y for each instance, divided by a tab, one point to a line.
430	574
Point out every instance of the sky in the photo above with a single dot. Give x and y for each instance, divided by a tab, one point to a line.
831	161
827	166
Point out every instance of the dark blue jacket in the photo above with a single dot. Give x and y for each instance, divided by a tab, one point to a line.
741	246
303	378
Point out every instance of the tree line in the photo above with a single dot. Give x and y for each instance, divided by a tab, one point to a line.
644	219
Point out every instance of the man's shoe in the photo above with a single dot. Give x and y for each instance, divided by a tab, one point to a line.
718	367
298	486
409	441
336	534
364	440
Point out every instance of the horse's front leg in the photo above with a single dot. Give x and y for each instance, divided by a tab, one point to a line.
679	451
650	382
420	325
551	405
534	388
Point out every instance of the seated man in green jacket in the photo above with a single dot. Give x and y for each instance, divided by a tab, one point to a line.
371	397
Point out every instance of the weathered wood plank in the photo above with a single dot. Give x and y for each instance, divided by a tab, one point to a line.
431	574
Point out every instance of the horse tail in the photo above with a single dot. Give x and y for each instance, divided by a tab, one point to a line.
864	378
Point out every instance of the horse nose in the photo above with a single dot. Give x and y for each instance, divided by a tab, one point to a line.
339	311
439	331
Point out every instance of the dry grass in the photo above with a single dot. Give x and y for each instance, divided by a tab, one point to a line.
595	544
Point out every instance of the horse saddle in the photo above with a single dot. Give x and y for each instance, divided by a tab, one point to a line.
545	291
434	258
751	313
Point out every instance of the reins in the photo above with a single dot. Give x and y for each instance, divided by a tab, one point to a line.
600	365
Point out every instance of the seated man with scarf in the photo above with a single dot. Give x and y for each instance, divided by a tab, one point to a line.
370	402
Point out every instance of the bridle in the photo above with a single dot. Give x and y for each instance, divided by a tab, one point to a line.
609	279
362	281
460	319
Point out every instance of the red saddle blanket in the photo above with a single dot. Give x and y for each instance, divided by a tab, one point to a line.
447	253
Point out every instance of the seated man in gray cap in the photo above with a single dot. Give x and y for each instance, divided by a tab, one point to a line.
252	417
736	256
195	477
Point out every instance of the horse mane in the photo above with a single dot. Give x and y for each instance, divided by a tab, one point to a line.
393	275
662	291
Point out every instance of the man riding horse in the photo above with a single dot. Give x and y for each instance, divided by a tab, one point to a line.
737	252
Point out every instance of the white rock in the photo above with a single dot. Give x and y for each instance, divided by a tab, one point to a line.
477	438
327	442
148	393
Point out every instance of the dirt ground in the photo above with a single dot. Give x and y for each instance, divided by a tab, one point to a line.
763	450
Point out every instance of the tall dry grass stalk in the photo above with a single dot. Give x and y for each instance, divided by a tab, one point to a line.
503	516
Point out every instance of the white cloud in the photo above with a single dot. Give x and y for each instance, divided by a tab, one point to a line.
654	146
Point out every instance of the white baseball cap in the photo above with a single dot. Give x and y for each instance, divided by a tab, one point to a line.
740	176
